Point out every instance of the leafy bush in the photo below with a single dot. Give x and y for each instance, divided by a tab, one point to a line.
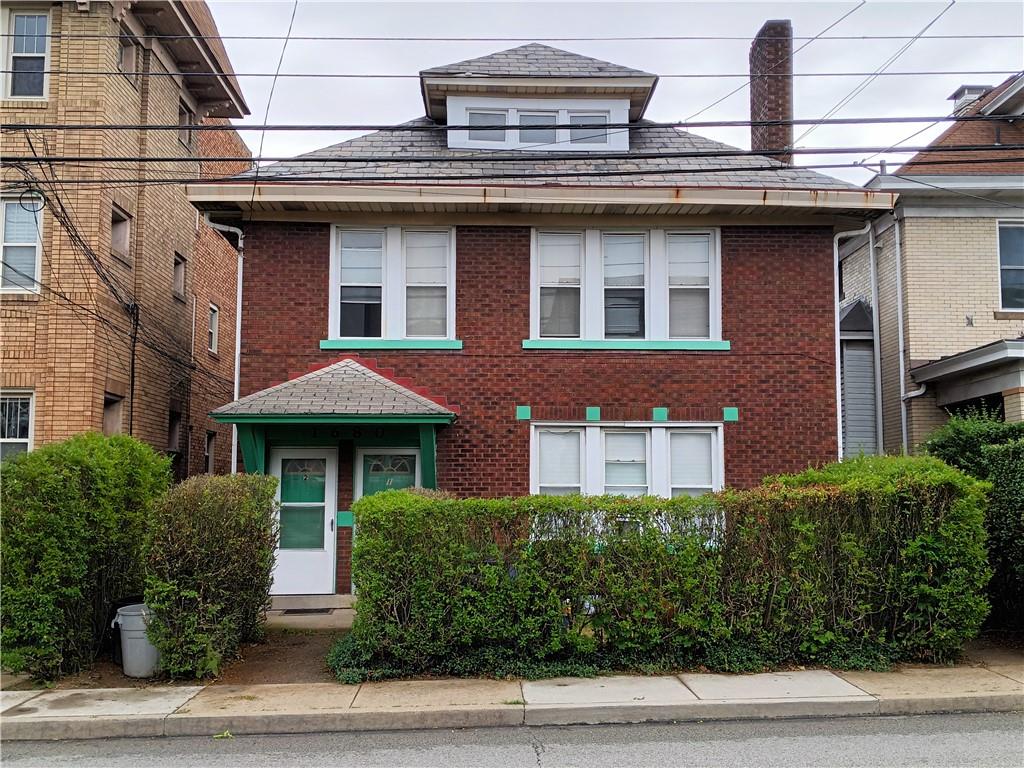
210	561
74	528
859	564
1005	523
989	449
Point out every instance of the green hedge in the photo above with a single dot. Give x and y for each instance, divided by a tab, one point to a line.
210	562
859	564
989	449
74	529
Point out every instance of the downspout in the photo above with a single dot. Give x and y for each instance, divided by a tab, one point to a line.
835	323
237	231
876	340
904	395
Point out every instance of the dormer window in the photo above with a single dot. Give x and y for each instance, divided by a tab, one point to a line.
529	124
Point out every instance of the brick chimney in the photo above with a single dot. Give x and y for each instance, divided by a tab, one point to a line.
771	98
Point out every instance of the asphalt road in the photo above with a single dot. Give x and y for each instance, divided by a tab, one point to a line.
931	740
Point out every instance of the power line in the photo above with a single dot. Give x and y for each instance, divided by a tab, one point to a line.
520	157
414	127
862	86
788	59
406	76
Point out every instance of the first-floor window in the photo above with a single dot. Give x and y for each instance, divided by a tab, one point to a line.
426	284
19	231
209	452
1011	264
362	282
627	460
15	423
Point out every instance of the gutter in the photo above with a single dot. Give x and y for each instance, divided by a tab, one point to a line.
237	231
835	306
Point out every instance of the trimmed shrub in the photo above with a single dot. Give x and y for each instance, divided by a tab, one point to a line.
989	449
210	563
860	564
74	527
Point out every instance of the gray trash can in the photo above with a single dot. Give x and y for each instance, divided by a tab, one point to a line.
139	657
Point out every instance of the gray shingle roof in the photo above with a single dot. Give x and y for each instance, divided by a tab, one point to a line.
535	60
391	148
345	388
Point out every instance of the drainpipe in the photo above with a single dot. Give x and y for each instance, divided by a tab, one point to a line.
899	332
237	231
876	340
835	322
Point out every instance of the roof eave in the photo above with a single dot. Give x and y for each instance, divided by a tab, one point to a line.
318	418
986	356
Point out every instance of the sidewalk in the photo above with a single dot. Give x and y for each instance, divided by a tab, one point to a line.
417	704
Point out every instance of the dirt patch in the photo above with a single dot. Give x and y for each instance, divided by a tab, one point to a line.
288	656
104	673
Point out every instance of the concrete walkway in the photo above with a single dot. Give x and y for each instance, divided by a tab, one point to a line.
417	704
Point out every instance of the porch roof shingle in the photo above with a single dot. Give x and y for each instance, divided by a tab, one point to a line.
345	388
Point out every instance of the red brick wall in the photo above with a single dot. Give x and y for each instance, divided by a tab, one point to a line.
777	312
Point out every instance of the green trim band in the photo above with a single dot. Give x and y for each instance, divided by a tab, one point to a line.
628	344
523	412
391	344
345	519
593	413
730	414
659	414
260	418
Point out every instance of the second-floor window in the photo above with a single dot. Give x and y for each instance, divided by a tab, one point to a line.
392	283
178	276
642	285
1011	264
19	231
28	49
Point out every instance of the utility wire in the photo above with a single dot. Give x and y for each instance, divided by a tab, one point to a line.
450	39
862	86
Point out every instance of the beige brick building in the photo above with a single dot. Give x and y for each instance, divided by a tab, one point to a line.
117	302
949	262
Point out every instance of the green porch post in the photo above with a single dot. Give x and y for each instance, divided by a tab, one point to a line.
252	441
428	456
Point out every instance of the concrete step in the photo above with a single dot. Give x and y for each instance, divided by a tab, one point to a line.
293	602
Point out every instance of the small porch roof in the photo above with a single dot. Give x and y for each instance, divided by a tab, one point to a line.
348	390
985	370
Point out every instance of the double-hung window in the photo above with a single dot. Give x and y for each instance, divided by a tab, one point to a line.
632	287
28	47
19	231
1011	264
628	459
15	423
392	283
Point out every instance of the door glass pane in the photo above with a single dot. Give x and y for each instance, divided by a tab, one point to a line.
689	315
426	311
487	118
388	471
303	480
302	527
690	458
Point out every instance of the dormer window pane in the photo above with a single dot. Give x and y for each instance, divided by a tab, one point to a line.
594	133
544	133
487	119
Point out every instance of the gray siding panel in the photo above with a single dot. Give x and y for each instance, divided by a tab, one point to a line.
860	434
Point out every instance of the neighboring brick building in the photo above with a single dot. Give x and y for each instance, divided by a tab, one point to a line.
950	279
87	245
577	316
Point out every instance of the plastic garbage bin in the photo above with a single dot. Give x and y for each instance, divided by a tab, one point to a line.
139	657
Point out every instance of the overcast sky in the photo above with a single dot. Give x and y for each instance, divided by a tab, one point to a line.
388	101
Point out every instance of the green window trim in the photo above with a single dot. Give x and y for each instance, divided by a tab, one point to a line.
455	344
698	345
730	414
344	519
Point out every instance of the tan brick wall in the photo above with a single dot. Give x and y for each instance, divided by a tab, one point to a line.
70	356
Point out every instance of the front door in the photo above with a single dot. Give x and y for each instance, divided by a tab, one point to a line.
307	493
386	469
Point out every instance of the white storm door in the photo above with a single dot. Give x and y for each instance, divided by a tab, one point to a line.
307	492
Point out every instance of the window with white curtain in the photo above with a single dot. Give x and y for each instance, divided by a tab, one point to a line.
392	283
560	461
633	459
606	285
19	231
15	423
560	264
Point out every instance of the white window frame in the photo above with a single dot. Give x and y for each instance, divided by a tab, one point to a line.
209	452
357	465
7	47
616	111
38	276
656	288
647	455
179	258
392	314
659	463
31	395
1000	223
213	330
646	287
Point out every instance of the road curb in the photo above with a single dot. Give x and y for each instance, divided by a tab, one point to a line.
55	729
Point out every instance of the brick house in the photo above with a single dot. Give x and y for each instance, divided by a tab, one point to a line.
946	284
563	306
88	246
